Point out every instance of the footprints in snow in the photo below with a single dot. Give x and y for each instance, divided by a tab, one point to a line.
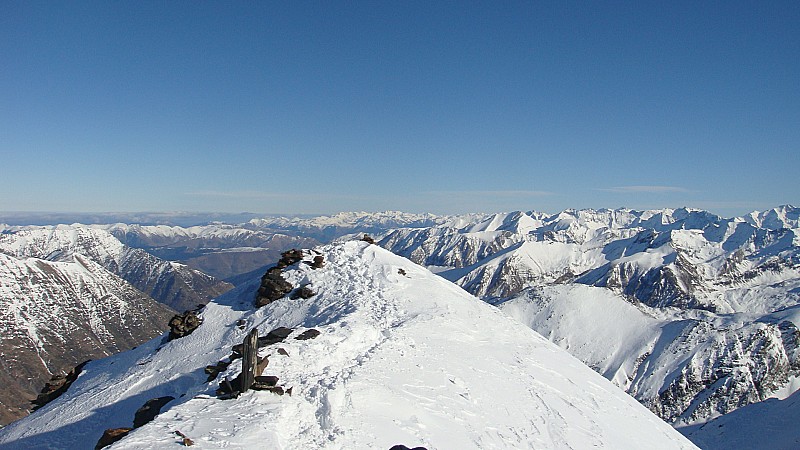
458	382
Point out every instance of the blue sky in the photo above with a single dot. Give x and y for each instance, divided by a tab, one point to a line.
319	107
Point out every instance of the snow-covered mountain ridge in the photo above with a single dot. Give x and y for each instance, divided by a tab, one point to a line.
404	357
384	220
328	228
691	313
71	293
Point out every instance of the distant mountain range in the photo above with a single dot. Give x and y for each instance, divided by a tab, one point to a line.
183	219
176	285
694	315
221	250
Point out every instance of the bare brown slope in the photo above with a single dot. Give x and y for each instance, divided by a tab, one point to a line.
55	315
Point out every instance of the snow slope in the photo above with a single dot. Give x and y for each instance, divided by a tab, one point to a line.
687	366
607	334
760	425
404	357
693	314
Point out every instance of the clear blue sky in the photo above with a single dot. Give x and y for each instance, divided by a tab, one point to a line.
319	107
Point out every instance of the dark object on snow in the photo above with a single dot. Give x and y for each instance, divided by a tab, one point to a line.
186	441
227	390
308	334
319	262
110	436
282	351
249	360
183	324
275	390
263	383
403	447
268	383
289	391
237	386
252	365
57	385
262	364
368	239
273	287
214	371
401	271
290	257
273	337
150	410
303	292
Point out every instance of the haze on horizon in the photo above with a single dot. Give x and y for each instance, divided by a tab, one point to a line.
449	107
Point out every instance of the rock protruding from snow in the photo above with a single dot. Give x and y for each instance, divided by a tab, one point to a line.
303	292
150	410
319	262
183	324
308	334
110	436
57	385
273	285
289	258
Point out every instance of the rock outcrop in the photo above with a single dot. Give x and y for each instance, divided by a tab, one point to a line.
150	410
57	385
110	436
273	285
183	324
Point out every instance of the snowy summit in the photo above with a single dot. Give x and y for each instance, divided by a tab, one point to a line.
402	357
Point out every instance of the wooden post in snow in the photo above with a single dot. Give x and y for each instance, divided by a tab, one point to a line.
249	360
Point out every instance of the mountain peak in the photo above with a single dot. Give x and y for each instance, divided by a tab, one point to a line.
403	357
